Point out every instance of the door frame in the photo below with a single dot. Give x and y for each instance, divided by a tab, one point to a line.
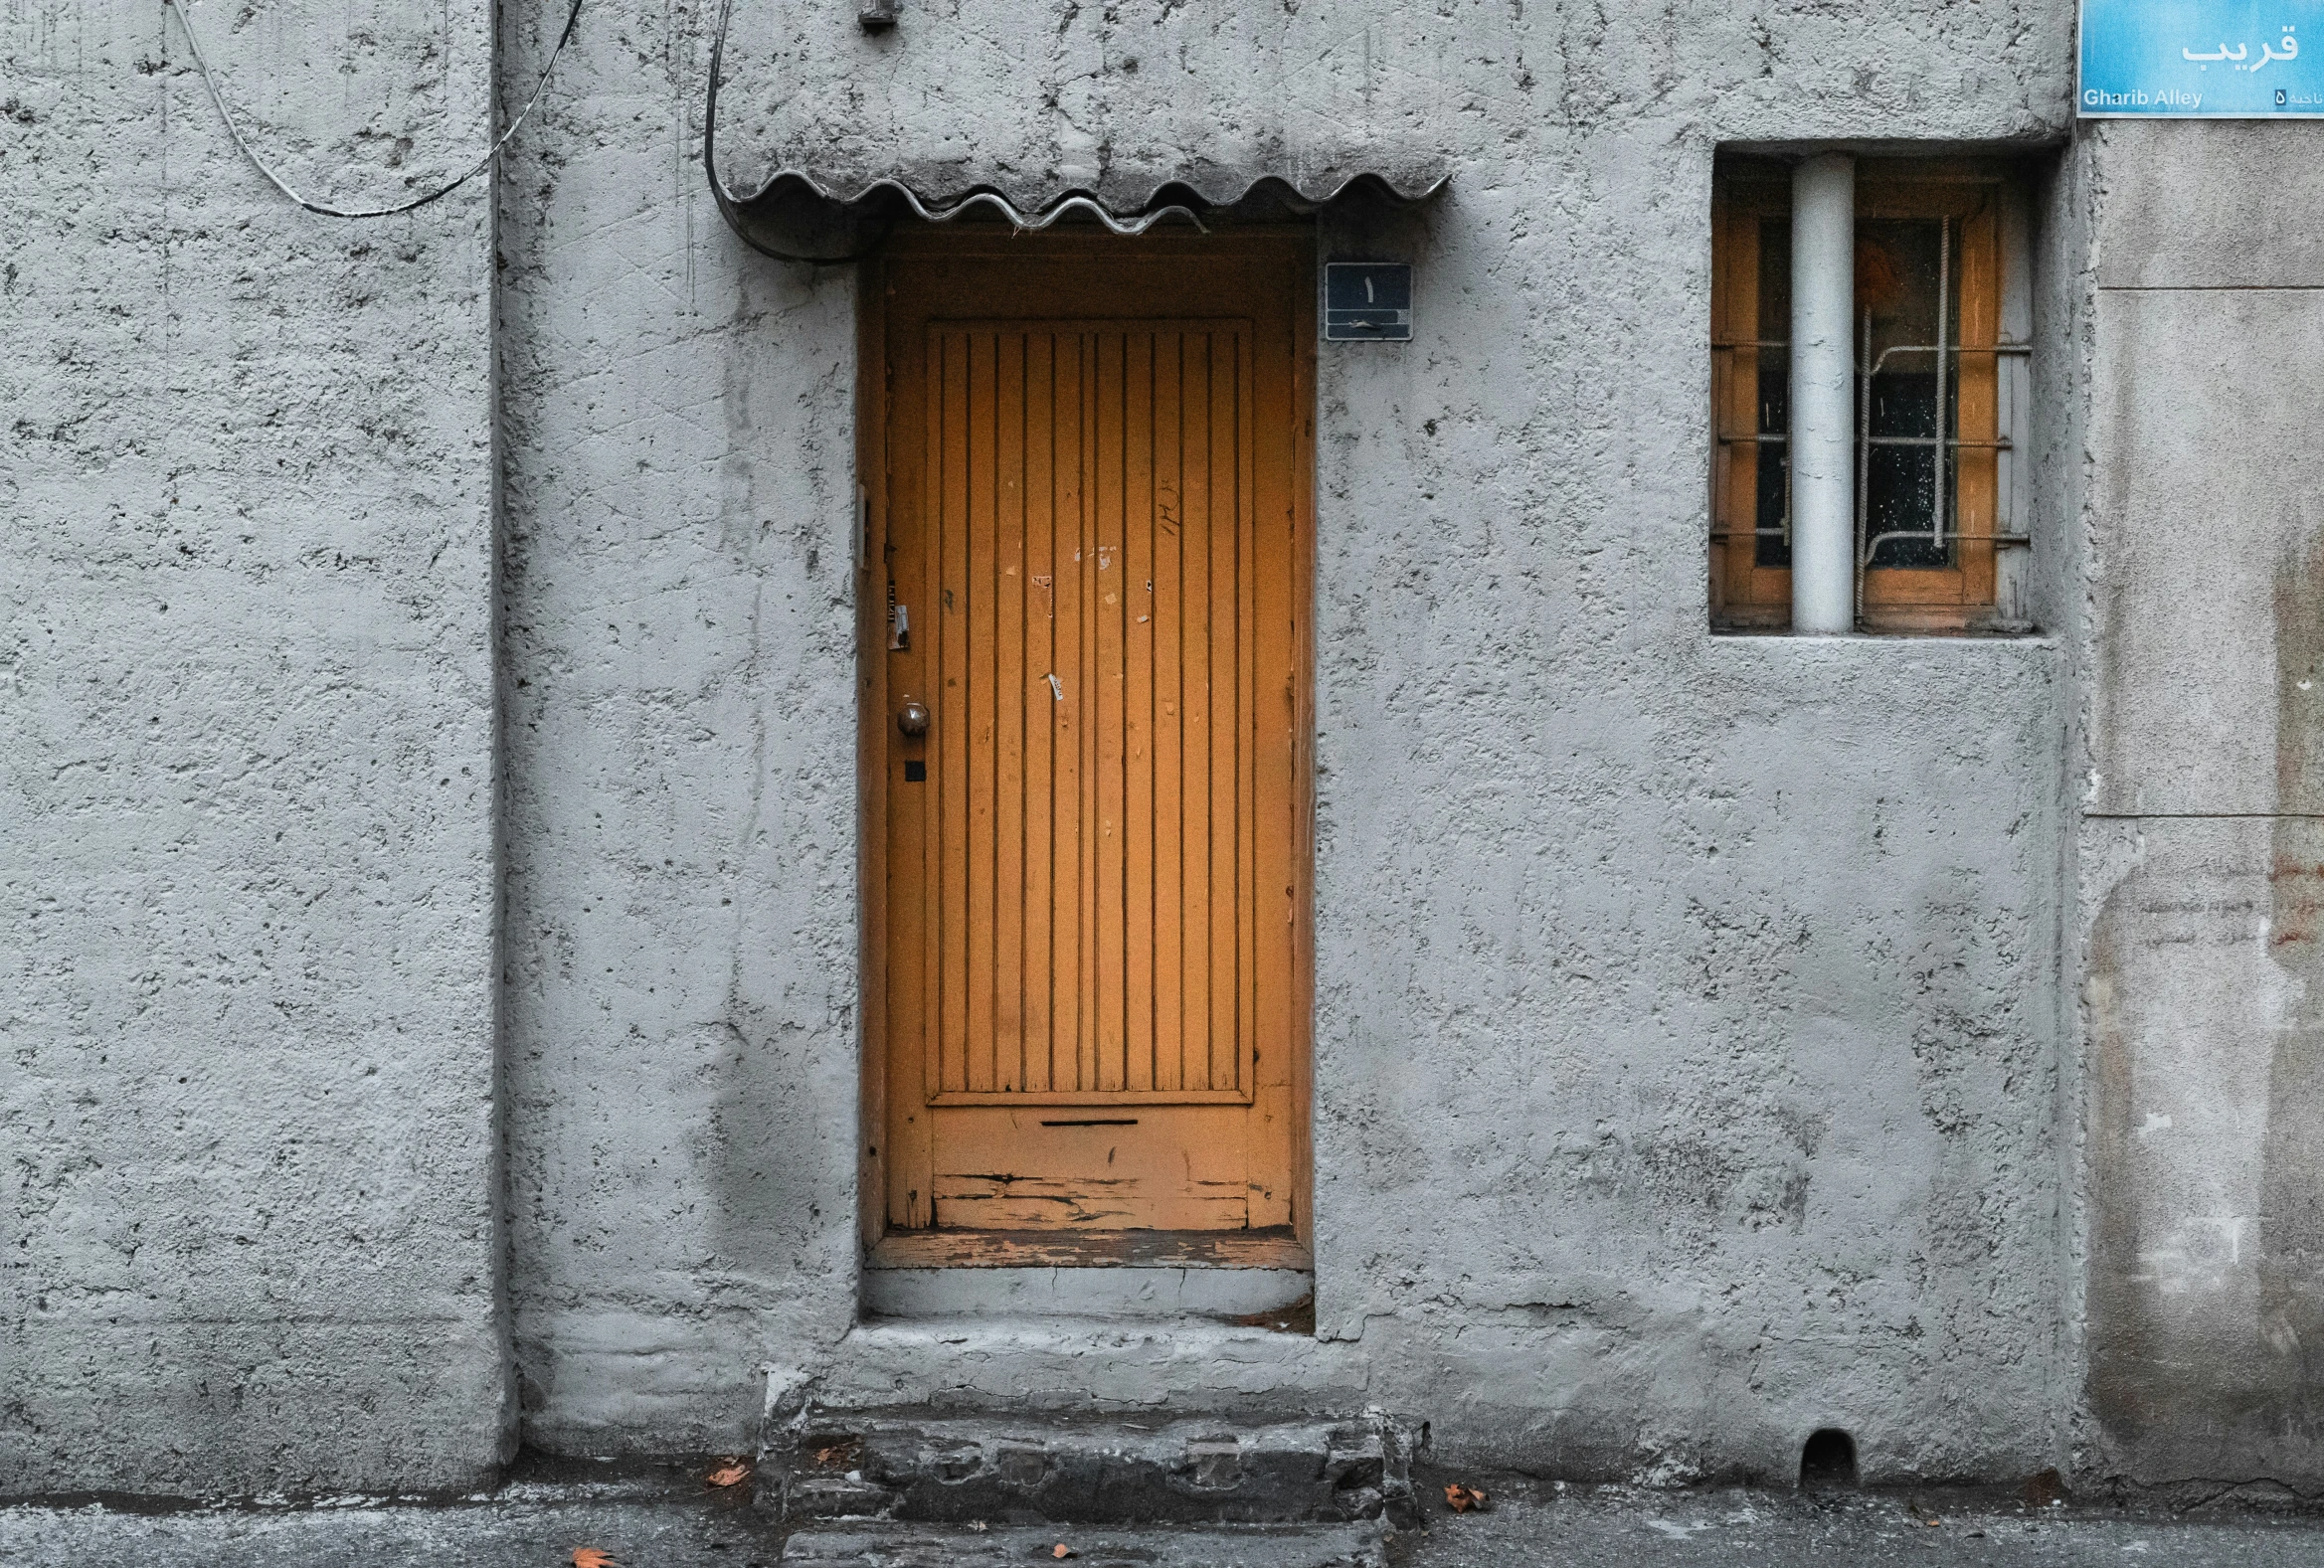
868	538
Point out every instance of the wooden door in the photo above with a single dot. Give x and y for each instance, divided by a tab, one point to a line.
1096	856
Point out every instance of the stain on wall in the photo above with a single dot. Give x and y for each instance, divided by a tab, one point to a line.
2292	1183
2201	837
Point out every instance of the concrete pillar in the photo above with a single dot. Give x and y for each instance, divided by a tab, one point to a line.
1823	394
2200	835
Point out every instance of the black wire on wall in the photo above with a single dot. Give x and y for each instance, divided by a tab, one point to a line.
202	64
730	204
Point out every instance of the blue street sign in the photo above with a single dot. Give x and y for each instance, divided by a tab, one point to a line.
2214	59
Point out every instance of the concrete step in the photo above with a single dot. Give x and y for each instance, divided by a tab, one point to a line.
864	1544
946	1467
1135	1290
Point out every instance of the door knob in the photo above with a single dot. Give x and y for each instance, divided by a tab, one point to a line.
912	718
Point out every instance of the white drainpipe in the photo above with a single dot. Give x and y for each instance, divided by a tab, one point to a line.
1823	394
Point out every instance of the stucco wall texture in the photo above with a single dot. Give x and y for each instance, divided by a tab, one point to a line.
1687	1019
2203	836
247	869
1715	1038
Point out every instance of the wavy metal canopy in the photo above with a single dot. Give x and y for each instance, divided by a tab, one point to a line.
797	216
1122	117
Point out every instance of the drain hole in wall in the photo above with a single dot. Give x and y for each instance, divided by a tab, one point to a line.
1828	1460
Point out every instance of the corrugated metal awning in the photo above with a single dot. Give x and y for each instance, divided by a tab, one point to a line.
797	205
1162	148
799	217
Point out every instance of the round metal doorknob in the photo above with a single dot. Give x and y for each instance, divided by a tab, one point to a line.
912	718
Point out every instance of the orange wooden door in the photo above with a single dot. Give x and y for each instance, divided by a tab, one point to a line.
1096	855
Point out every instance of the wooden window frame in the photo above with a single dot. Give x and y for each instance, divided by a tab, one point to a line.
1964	596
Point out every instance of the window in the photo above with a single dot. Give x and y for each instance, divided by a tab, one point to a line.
1939	317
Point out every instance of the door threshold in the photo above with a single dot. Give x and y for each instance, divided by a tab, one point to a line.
1273	1248
1085	1274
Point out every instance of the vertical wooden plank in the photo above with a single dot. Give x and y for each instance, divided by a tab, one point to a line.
1165	710
1768	587
1280	1152
1041	719
1008	708
1722	370
1090	1041
1978	410
1735	300
874	757
1274	420
969	600
1197	618
912	1041
1229	513
1108	667
951	711
1135	586
1068	918
1266	513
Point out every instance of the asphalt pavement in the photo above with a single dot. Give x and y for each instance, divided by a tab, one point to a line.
665	1517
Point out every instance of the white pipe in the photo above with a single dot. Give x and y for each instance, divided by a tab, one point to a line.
1823	394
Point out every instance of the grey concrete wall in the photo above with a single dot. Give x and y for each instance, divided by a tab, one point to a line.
1689	1052
1706	980
248	876
2203	832
680	977
2063	388
1687	1039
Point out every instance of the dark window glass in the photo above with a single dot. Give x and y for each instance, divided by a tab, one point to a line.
1901	277
1773	544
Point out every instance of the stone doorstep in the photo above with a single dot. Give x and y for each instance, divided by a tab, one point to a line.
964	1470
862	1544
1162	1293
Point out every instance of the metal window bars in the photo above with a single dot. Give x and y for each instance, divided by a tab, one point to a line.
1949	376
1759	439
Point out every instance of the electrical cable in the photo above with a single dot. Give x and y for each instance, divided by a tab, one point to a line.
729	204
186	21
1068	204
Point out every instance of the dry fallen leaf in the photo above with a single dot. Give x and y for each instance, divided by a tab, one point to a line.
1463	1499
593	1557
731	1473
